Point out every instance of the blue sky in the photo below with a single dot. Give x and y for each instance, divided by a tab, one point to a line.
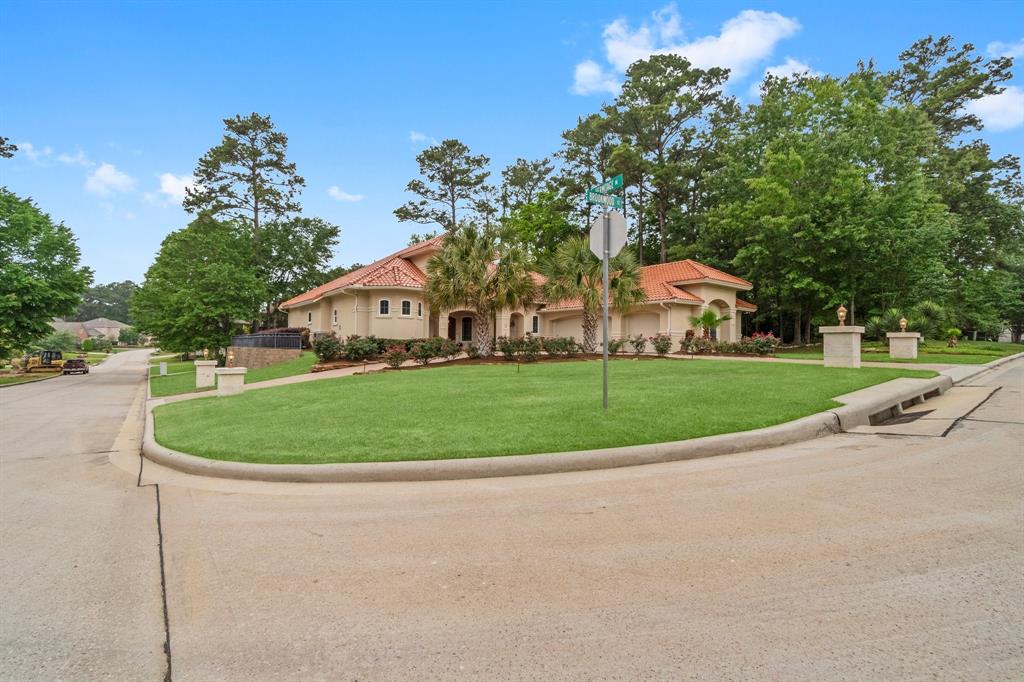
116	102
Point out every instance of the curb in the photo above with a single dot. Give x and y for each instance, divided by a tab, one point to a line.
882	401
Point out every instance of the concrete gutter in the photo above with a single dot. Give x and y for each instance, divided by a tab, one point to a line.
866	406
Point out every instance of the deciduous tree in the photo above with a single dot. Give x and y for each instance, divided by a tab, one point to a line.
40	273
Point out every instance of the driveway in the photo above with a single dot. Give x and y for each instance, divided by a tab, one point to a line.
858	556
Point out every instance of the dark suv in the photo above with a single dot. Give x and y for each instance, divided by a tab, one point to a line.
75	366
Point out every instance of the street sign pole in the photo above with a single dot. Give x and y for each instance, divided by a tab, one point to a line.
604	318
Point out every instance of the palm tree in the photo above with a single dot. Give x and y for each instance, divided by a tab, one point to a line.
574	273
480	270
708	320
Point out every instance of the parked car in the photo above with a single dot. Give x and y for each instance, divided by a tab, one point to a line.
75	366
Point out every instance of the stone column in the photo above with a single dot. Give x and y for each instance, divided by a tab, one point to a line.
903	344
230	380
842	346
204	373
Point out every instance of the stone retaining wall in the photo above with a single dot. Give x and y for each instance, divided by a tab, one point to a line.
261	357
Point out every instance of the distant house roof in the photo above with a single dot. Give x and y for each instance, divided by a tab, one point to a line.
105	322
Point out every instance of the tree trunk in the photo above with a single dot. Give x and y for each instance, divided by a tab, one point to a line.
796	329
661	229
853	310
807	329
640	226
482	323
589	331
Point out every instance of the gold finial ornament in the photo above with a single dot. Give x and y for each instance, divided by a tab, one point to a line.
206	352
842	315
903	324
231	358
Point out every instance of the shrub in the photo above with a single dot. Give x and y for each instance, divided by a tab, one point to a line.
615	346
89	345
764	344
359	348
662	343
507	347
423	352
394	356
697	345
57	340
561	345
472	350
327	348
450	348
953	336
639	343
530	348
104	344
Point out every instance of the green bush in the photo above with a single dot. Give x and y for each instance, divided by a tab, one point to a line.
128	336
615	346
525	349
358	348
639	343
508	348
450	348
662	343
394	356
89	345
327	348
561	345
428	349
530	348
763	344
472	351
57	340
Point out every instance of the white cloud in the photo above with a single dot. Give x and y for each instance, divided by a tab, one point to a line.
745	40
417	136
106	179
1004	111
787	68
341	195
77	159
591	78
34	155
174	186
1000	49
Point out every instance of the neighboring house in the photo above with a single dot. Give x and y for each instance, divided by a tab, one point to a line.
386	299
91	329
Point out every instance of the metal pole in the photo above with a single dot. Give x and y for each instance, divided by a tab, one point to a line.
604	319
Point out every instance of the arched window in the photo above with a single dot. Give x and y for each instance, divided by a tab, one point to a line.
334	316
467	329
536	325
309	317
419	308
407	308
384	307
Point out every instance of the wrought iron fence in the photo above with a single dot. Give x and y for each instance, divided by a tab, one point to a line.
267	341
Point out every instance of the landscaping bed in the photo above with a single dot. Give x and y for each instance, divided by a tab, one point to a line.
929	352
497	408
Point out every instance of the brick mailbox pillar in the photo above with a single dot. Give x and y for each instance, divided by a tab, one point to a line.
204	373
903	344
230	380
842	346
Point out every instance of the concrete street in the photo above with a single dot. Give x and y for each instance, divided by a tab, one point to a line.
858	556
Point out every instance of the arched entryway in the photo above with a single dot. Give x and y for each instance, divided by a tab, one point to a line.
460	326
516	326
724	330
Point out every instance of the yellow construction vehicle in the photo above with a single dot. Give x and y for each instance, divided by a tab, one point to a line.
45	361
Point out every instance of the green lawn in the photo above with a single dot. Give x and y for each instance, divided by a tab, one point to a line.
930	352
181	376
11	379
490	410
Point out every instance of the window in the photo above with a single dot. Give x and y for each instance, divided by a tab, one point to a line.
535	329
334	317
309	318
407	308
467	329
419	309
384	307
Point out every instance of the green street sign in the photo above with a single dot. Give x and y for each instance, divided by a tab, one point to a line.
611	200
609	185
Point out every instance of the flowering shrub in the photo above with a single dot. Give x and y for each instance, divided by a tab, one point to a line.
428	349
662	343
472	350
327	348
394	356
615	345
359	348
526	349
696	345
561	345
450	348
763	343
639	343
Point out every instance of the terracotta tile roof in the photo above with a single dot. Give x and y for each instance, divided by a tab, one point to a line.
746	305
658	282
391	271
691	271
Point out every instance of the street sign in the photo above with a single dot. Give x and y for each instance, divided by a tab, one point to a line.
612	200
609	185
616	236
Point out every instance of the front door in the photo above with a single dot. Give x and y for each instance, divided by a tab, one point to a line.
451	327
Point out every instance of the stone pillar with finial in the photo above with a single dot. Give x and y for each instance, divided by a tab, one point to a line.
903	344
842	342
204	370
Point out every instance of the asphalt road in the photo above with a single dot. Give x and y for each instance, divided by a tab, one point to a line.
857	556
